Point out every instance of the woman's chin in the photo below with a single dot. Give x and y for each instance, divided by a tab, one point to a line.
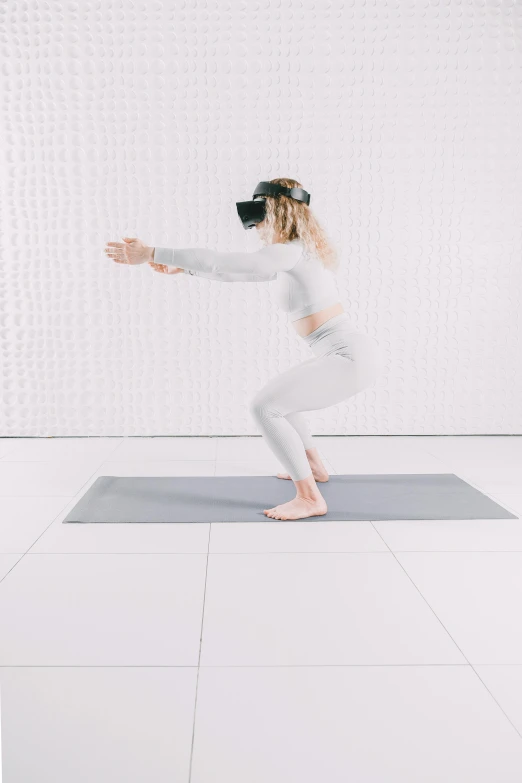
263	235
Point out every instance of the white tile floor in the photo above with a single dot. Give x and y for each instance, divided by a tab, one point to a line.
278	652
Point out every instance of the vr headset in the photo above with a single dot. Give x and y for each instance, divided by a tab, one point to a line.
252	212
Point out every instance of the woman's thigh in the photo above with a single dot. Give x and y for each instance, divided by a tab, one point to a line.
322	381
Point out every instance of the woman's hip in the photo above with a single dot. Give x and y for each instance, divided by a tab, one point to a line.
339	336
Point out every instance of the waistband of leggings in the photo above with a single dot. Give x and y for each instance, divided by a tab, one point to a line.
341	320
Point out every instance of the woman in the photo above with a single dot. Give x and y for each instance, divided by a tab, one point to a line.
298	256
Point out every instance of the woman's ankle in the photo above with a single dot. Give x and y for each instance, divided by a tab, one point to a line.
307	488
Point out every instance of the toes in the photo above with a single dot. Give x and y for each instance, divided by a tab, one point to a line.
273	513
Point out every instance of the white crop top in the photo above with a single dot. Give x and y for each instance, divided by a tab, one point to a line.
304	285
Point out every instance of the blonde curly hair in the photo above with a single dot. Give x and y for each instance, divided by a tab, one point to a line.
287	219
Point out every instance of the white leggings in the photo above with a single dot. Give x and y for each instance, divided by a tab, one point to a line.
345	362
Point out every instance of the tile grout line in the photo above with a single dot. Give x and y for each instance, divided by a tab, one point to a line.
250	665
199	658
494	699
421	595
61	510
53	519
285	551
13	566
496	498
451	637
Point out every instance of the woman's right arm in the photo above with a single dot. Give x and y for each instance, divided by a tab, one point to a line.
264	264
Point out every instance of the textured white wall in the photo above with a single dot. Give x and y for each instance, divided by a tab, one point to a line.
401	118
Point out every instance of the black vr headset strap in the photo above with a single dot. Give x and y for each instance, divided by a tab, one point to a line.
272	189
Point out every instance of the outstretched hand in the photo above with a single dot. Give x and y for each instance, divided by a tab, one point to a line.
130	251
165	268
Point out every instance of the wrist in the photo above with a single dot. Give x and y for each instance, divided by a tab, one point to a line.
150	255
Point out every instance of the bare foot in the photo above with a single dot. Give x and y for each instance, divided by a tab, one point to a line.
298	508
319	471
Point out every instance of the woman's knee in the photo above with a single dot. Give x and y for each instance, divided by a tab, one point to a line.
263	406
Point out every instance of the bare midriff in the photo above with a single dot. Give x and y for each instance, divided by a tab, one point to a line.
305	326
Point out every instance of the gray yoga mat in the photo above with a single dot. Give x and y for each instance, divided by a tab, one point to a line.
243	498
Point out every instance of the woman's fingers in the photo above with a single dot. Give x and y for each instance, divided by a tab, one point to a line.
159	267
116	251
118	257
131	251
120	254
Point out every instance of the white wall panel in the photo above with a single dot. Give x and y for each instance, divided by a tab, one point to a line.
402	119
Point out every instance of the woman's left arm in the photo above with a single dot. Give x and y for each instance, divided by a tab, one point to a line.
231	277
264	264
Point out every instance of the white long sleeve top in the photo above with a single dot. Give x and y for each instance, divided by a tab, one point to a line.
304	285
